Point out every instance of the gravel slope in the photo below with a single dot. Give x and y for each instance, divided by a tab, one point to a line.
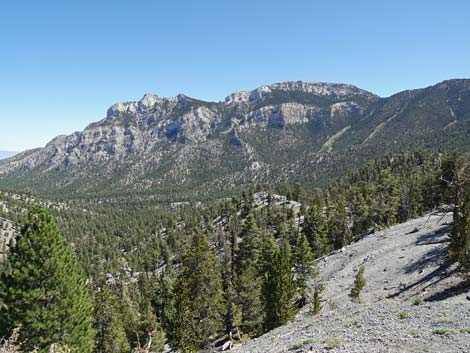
402	263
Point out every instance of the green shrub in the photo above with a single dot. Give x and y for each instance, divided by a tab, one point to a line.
404	314
332	343
443	331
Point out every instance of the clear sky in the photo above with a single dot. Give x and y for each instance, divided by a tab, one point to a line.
64	62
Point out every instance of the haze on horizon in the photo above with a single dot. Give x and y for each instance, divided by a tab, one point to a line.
66	63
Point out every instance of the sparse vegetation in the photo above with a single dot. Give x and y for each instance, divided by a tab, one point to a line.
350	321
444	331
419	301
332	343
404	314
304	343
444	320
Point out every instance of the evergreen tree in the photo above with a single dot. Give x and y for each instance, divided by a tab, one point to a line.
338	223
279	288
165	296
248	280
456	188
199	298
316	231
359	284
361	214
233	310
459	247
317	305
388	197
110	333
44	290
303	265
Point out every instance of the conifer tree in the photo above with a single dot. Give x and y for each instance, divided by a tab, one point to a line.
456	188
110	333
165	296
459	247
359	284
248	280
233	312
199	298
44	290
317	305
388	197
362	220
279	288
304	267
338	220
315	229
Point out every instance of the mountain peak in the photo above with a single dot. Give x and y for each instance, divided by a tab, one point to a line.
277	126
315	88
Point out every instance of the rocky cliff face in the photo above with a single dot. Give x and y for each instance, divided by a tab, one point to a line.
289	130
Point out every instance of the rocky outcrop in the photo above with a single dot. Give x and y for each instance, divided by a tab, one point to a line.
137	128
159	142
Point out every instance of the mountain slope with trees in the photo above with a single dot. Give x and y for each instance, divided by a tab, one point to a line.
247	260
181	148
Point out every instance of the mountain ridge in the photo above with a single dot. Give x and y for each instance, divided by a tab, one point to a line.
287	131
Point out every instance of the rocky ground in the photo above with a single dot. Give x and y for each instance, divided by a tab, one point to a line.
414	300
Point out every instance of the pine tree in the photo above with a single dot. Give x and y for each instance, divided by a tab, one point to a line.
316	231
456	178
359	284
233	310
110	333
361	215
303	265
248	280
338	222
199	298
279	288
44	290
317	305
459	247
388	197
165	296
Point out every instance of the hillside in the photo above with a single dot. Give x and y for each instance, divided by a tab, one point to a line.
256	253
402	263
181	148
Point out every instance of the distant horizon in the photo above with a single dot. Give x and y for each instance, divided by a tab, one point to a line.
66	62
7	154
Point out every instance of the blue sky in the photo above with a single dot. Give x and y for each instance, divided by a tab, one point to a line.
63	63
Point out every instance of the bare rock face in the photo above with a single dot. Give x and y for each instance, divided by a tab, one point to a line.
156	143
136	128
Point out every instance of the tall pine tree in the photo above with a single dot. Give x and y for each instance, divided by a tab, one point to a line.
110	333
304	267
279	290
44	290
199	298
248	280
